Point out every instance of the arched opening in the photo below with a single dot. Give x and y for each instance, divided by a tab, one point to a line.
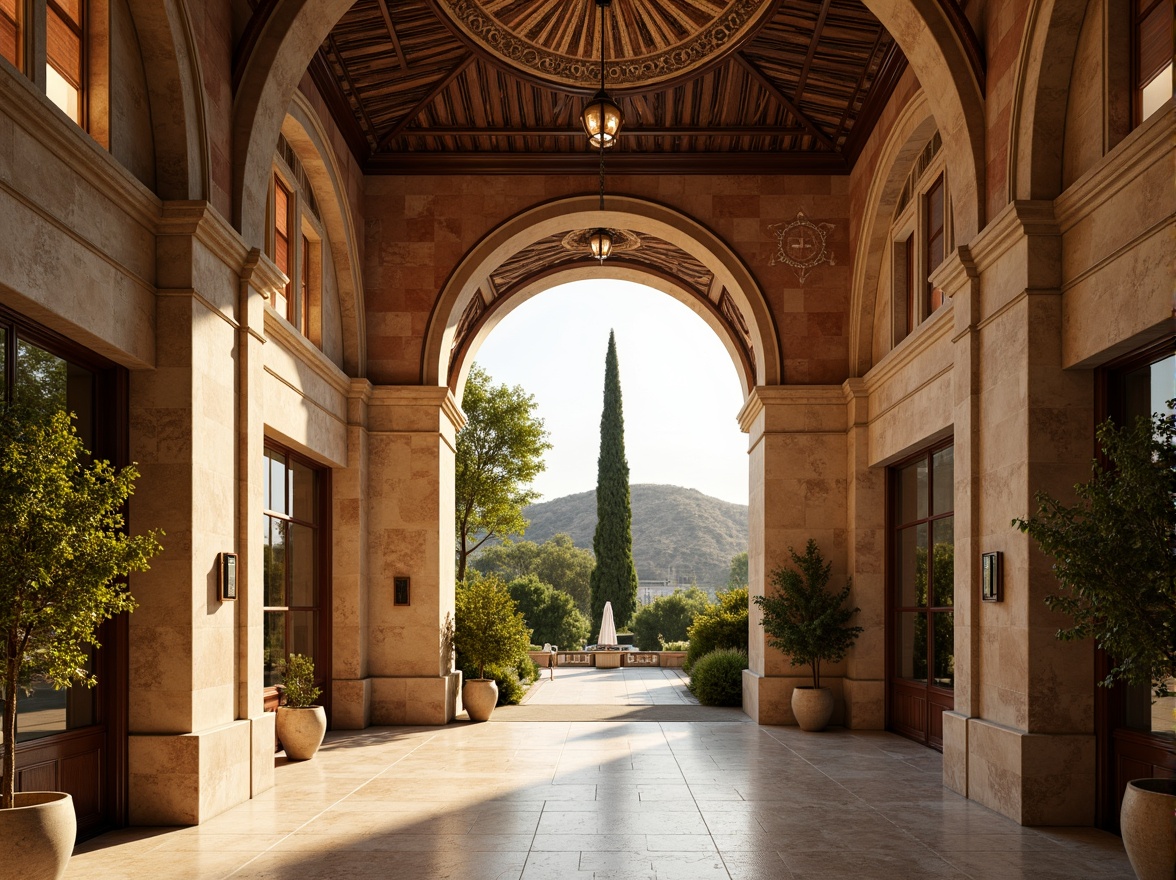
687	464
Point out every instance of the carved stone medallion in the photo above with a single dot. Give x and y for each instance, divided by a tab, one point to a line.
647	42
802	244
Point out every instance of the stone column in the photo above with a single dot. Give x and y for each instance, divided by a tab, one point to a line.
198	738
798	477
865	674
1021	740
351	688
411	443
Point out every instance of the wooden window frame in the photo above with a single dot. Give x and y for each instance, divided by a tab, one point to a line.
912	300
1140	12
304	270
94	58
322	528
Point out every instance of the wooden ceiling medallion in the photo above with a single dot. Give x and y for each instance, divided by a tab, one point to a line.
651	42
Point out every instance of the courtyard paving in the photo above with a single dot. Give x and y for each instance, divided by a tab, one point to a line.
608	800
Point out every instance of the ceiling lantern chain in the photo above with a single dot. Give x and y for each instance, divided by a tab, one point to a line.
602	123
602	118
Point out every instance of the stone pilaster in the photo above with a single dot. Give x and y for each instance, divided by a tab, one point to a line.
411	442
798	478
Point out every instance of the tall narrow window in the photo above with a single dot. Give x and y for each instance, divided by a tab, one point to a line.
10	31
64	56
1152	61
935	241
908	249
282	243
291	564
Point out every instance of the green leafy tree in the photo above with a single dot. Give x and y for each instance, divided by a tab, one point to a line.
62	549
1114	551
299	691
717	677
557	561
550	613
738	576
722	624
499	452
803	619
488	628
614	579
667	618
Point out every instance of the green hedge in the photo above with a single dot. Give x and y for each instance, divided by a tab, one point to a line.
722	625
717	678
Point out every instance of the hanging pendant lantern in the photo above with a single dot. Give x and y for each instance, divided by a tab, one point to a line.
600	240
602	118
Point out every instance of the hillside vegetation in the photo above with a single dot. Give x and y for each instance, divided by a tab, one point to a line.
679	535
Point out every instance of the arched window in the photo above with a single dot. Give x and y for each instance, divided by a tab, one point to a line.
49	41
920	240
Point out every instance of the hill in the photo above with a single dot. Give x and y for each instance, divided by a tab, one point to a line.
679	535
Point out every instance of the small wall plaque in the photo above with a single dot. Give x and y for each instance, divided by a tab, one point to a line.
228	577
400	592
990	579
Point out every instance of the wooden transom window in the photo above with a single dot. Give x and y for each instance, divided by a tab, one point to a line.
296	247
920	238
61	44
1152	53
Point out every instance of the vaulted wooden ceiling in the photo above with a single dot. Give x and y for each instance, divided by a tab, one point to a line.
424	86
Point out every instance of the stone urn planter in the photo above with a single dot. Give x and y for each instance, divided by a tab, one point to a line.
1148	822
813	707
301	731
480	696
38	835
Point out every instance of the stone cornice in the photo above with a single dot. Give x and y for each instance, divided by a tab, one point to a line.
204	223
303	350
1151	142
1018	220
21	101
921	340
440	397
763	396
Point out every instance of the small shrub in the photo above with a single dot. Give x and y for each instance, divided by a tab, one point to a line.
717	678
298	689
489	631
675	646
721	625
512	679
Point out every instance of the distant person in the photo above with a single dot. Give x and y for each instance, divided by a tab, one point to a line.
550	649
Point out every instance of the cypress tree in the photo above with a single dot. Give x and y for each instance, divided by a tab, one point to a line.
614	579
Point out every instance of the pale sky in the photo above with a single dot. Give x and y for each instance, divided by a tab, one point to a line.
679	387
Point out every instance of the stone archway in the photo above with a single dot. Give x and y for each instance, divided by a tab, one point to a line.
729	298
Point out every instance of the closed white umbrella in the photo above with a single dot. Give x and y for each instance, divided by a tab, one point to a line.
608	630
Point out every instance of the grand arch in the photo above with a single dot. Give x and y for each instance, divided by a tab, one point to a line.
671	251
282	38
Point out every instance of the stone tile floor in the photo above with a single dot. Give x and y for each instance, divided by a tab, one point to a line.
630	686
581	800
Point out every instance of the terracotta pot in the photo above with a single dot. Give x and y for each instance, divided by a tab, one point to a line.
1148	823
480	696
813	707
38	835
301	731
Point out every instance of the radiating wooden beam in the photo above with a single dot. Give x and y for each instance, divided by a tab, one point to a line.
774	162
392	33
812	49
424	102
774	90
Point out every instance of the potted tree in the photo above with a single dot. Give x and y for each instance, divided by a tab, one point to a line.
301	724
1114	556
62	551
489	630
810	625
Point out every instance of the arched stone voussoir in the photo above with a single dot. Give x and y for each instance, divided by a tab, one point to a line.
582	212
937	54
285	43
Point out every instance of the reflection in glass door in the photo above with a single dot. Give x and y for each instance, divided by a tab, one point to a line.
69	740
922	630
